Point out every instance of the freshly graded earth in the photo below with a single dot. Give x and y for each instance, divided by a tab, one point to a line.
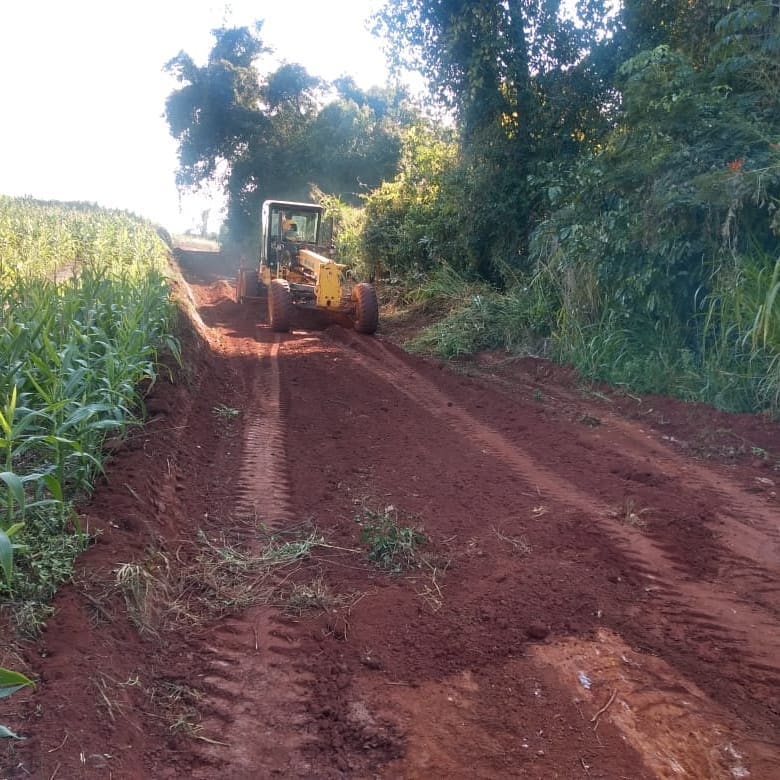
588	584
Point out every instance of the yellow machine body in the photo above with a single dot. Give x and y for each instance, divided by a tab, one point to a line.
294	271
327	274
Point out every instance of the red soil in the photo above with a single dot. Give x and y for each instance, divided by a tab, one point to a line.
597	596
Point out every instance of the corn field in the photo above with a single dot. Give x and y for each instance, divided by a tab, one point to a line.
84	309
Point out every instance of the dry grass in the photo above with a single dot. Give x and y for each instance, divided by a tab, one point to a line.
314	596
518	544
629	514
178	704
11	655
218	577
431	591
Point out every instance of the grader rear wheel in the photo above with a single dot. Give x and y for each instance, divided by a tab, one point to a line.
280	306
366	308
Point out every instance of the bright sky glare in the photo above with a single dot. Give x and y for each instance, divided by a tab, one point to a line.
83	91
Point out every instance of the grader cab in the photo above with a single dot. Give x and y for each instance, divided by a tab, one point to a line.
295	271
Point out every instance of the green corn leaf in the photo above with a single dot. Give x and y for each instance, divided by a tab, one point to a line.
26	418
82	455
104	425
52	439
14	529
53	485
6	556
8	413
15	485
6	733
86	412
43	502
11	681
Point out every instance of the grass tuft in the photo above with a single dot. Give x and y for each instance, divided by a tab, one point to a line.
391	546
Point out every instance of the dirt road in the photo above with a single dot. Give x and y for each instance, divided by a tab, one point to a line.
591	587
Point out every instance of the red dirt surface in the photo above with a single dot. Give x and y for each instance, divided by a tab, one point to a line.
597	596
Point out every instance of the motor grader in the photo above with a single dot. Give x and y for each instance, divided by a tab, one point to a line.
295	271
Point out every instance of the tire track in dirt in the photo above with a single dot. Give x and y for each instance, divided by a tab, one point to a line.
692	736
757	533
740	630
739	532
253	700
758	517
252	694
746	525
263	492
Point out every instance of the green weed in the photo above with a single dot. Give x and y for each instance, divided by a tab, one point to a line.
391	546
225	413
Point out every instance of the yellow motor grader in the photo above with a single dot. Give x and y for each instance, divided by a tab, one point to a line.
295	271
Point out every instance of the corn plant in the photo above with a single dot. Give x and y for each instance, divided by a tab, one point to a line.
13	520
10	683
84	309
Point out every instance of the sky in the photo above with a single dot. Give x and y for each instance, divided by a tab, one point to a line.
82	91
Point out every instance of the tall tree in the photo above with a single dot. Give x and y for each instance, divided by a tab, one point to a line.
276	135
356	138
217	106
688	182
515	74
680	24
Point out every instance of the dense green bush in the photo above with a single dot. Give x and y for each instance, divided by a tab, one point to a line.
653	253
410	221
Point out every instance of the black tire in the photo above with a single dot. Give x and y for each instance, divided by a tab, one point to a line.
366	308
280	306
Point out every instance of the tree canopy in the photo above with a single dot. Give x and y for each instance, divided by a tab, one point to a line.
277	134
526	85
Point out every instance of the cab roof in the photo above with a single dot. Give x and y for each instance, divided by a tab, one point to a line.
291	204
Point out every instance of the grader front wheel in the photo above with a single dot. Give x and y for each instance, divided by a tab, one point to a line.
366	308
280	306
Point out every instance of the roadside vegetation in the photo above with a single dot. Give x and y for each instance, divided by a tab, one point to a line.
84	314
600	188
640	243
